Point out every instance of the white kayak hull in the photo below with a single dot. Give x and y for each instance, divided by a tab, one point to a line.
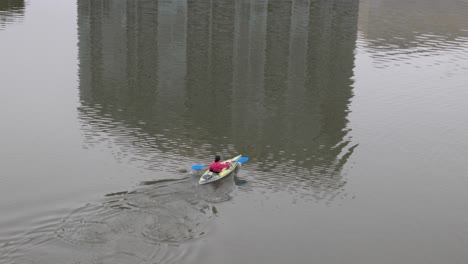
209	176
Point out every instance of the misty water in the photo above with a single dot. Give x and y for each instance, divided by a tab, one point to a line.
354	116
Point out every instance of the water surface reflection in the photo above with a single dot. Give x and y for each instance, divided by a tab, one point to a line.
423	29
186	79
11	11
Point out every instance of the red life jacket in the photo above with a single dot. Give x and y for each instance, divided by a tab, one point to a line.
217	167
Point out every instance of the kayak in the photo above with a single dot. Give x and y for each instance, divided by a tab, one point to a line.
209	176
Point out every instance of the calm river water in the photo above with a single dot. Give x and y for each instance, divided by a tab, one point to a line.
354	115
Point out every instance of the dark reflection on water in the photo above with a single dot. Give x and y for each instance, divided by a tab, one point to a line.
186	79
11	11
149	224
422	29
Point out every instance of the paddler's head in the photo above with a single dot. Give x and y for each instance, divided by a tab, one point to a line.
217	158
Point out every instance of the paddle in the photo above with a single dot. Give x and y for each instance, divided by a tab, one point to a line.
201	166
243	159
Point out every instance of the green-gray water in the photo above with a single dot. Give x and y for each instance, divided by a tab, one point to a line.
353	114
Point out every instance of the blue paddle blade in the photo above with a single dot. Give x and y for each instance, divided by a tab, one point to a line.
243	159
198	166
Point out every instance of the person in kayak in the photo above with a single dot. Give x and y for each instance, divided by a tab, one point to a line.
217	166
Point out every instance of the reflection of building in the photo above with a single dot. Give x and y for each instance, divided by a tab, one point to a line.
210	41
122	45
294	115
407	24
11	11
271	78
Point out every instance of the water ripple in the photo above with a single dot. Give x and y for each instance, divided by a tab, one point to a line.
150	224
399	41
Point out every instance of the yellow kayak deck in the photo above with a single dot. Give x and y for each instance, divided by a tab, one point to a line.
209	176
